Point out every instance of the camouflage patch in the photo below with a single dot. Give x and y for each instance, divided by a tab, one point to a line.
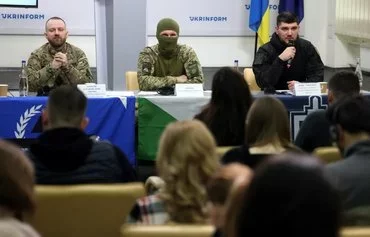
193	69
147	68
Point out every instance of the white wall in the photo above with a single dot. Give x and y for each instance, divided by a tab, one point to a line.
14	48
220	51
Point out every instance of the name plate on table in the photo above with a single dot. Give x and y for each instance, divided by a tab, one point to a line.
189	90
93	90
307	88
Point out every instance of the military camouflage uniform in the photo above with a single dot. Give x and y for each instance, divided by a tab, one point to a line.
40	73
148	75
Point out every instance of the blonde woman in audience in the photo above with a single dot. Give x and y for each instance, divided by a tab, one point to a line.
186	160
267	132
219	188
16	192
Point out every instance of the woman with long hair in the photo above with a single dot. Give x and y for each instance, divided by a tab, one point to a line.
186	160
16	191
225	114
267	132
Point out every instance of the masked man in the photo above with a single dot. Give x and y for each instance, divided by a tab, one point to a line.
167	63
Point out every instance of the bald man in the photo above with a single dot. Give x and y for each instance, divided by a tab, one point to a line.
57	62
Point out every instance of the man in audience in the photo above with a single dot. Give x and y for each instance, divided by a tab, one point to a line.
314	131
167	63
351	130
287	58
57	62
64	154
222	185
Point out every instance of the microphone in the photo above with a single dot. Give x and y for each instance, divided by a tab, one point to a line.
291	43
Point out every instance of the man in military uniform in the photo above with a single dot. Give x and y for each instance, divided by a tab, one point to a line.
57	62
167	62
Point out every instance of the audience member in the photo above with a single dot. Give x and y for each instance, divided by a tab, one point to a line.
289	196
351	131
186	160
267	132
64	154
287	58
57	62
225	114
16	192
314	131
167	63
219	189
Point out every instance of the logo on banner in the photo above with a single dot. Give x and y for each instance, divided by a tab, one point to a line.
208	18
22	16
24	119
298	116
273	7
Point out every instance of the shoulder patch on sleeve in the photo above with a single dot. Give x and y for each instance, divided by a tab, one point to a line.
146	68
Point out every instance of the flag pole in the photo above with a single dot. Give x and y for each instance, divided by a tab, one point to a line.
255	44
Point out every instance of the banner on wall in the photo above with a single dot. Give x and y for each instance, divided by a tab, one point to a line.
207	17
78	14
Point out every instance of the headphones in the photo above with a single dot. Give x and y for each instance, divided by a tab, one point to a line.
166	90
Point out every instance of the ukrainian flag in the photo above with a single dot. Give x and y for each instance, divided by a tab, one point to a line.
259	20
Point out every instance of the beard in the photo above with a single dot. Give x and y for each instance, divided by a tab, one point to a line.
57	42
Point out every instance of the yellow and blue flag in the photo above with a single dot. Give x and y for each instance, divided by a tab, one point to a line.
259	20
294	6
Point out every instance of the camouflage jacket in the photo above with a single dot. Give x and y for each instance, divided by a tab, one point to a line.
40	73
146	68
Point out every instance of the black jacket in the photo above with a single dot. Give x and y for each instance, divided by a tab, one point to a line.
351	175
314	132
241	155
271	71
69	156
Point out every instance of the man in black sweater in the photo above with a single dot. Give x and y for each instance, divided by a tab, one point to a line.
65	154
314	131
287	58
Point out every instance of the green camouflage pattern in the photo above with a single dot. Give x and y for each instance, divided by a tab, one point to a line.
40	73
146	70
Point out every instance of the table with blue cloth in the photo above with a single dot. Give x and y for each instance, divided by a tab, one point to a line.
155	112
111	119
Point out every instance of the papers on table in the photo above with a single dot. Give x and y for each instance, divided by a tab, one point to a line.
147	93
189	89
120	93
284	92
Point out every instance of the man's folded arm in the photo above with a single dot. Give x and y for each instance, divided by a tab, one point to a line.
81	73
267	73
193	67
145	71
39	76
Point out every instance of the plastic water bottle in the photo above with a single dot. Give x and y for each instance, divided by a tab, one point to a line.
23	80
236	64
358	71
